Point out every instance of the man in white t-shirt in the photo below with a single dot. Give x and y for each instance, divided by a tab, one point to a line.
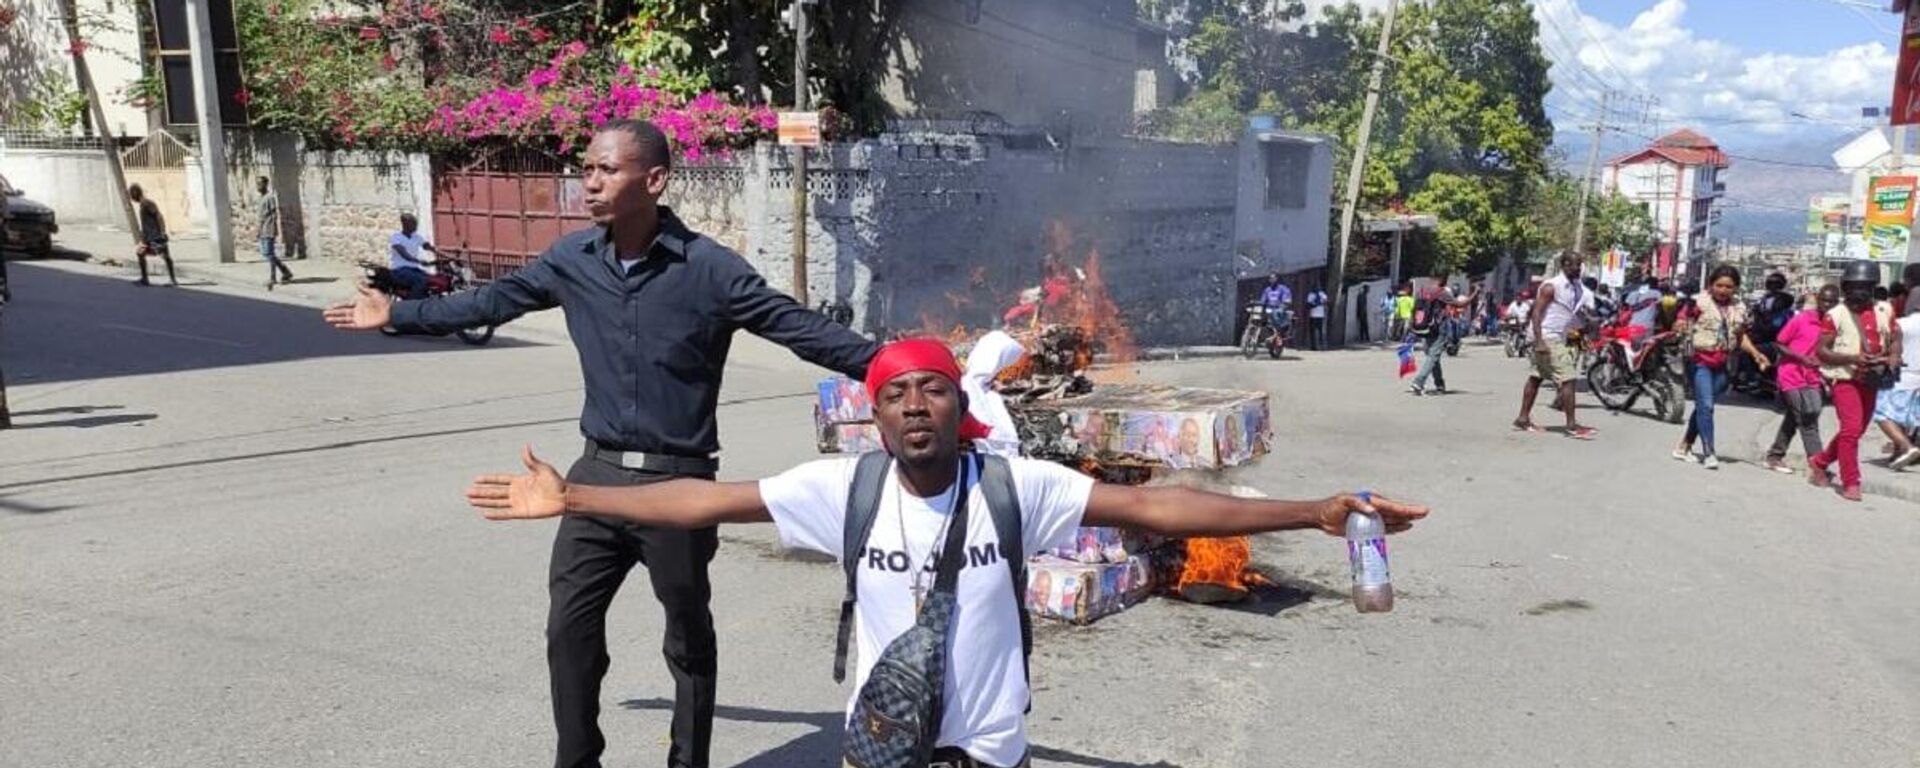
404	260
919	408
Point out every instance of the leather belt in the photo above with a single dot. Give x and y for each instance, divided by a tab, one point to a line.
654	462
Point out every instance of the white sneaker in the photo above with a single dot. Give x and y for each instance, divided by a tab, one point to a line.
1682	455
1710	462
1904	460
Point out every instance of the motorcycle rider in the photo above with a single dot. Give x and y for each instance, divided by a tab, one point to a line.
1277	299
1770	316
1644	304
403	257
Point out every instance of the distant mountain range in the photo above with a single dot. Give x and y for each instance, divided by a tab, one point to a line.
1766	202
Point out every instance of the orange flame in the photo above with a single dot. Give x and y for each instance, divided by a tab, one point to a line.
1216	570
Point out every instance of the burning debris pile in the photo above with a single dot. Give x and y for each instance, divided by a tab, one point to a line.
1119	433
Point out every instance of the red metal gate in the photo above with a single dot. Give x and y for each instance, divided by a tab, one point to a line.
504	207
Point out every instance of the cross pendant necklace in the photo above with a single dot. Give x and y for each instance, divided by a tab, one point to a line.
919	591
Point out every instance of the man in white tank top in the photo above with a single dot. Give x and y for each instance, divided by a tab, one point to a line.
1558	306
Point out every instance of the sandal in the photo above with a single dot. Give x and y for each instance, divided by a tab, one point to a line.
1582	433
1527	426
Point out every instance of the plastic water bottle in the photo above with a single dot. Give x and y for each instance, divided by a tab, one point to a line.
1367	551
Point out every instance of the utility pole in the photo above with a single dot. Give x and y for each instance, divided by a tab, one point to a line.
213	148
1586	182
801	103
1337	296
83	76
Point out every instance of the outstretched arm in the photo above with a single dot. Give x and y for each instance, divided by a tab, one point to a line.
681	503
1185	512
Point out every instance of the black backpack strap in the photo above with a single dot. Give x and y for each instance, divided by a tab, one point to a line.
1003	501
863	504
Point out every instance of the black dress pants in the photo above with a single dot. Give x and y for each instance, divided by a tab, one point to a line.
591	558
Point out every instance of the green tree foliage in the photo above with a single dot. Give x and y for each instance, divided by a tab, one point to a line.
1461	131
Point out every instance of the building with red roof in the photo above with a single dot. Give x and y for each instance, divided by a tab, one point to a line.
1677	178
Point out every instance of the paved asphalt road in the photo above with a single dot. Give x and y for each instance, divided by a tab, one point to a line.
230	536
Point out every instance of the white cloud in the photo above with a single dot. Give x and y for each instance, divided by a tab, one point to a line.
1703	82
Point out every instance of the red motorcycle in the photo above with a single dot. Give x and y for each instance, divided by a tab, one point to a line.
1627	366
450	275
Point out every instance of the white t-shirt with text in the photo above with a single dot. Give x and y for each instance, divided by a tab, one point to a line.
986	685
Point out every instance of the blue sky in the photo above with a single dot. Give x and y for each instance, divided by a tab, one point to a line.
1806	27
1746	72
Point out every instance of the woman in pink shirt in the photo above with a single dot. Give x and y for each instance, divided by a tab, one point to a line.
1800	381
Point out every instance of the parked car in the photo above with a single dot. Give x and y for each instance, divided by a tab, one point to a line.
30	225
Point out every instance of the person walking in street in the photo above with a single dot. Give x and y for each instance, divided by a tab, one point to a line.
1389	309
1437	325
1317	317
652	307
1360	309
930	509
1558	305
1402	312
1797	374
267	212
1853	352
1716	325
153	235
1895	409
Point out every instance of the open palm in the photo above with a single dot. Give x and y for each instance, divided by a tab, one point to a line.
370	311
538	494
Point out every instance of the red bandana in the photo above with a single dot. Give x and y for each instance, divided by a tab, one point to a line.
912	356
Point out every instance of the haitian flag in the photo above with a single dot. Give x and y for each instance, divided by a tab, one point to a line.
1406	357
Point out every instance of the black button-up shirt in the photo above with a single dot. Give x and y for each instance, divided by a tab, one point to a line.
653	342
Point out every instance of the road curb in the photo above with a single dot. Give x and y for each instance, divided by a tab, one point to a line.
1755	440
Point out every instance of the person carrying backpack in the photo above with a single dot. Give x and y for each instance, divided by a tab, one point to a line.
1435	327
922	530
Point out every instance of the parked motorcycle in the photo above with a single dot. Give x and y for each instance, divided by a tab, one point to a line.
1625	368
1265	332
449	275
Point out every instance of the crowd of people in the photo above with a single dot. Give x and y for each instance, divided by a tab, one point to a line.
1854	344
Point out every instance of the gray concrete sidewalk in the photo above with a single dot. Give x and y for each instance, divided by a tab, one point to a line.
316	282
1747	427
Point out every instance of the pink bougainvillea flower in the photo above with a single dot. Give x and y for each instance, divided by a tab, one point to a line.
706	102
429	12
78	47
369	32
541	78
575	49
388	62
539	35
273	9
499	36
243	97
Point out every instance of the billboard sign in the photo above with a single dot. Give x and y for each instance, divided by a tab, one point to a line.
1828	213
1889	216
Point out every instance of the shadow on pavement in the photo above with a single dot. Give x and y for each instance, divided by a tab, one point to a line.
822	746
15	506
84	422
66	326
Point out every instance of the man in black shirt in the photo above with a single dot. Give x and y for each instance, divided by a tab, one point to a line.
651	307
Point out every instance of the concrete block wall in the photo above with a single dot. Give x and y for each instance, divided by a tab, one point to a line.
75	183
929	231
337	205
